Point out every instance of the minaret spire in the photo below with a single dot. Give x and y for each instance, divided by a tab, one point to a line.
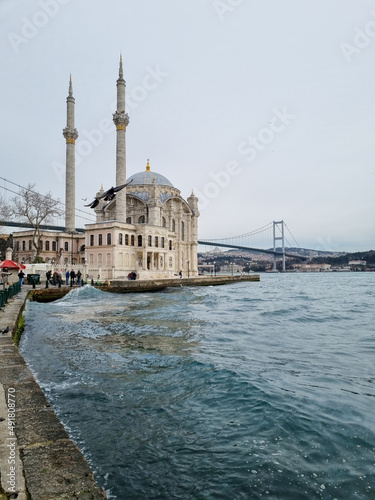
121	120
70	133
121	72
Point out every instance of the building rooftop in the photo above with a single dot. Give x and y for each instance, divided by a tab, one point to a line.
147	177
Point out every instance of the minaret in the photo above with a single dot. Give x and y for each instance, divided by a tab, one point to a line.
121	120
70	133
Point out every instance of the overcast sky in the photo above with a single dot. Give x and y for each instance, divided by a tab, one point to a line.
265	108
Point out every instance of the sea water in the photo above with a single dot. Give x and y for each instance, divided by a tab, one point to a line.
243	391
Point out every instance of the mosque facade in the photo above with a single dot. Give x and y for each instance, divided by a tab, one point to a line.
143	225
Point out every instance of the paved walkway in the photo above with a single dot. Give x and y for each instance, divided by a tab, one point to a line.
38	461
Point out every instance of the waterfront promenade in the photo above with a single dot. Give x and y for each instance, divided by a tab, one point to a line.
37	458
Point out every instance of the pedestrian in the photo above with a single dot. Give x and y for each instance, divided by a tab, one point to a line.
180	274
21	276
67	274
79	274
72	277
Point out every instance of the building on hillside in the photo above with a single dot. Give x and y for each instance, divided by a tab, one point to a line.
143	225
313	268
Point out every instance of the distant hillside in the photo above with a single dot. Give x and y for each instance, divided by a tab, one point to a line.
309	252
369	257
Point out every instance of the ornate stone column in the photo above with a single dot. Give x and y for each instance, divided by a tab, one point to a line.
121	120
70	133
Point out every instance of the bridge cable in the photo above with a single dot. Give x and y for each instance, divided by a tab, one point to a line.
298	246
255	231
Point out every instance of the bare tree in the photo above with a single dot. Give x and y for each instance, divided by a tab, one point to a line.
5	210
35	209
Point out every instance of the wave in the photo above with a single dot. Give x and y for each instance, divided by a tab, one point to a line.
86	292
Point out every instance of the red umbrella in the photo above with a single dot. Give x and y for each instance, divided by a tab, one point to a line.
10	264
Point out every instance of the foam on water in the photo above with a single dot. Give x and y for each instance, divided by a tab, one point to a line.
236	392
83	293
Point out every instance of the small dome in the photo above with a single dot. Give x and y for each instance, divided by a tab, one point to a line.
147	177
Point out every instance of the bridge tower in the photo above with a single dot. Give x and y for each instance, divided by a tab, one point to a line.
277	224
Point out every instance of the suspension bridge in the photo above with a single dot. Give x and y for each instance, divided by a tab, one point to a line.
269	239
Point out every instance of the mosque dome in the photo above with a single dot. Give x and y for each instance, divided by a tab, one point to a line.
147	177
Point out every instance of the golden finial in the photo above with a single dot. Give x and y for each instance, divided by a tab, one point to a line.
148	166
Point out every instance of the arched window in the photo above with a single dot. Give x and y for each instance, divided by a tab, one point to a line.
163	222
141	220
162	242
109	259
23	245
126	239
100	240
149	241
156	241
128	220
139	240
173	225
170	244
183	231
109	239
47	246
66	246
54	246
41	245
132	240
92	241
91	259
100	259
30	245
120	239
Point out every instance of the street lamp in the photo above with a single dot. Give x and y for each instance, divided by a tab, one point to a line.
214	268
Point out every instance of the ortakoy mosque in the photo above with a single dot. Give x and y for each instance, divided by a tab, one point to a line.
147	227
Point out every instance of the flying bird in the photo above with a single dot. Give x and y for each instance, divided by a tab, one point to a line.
108	195
6	330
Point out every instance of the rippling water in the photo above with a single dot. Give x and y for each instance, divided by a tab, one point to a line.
245	391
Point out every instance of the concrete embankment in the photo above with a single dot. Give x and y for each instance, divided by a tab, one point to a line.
137	286
38	461
126	286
